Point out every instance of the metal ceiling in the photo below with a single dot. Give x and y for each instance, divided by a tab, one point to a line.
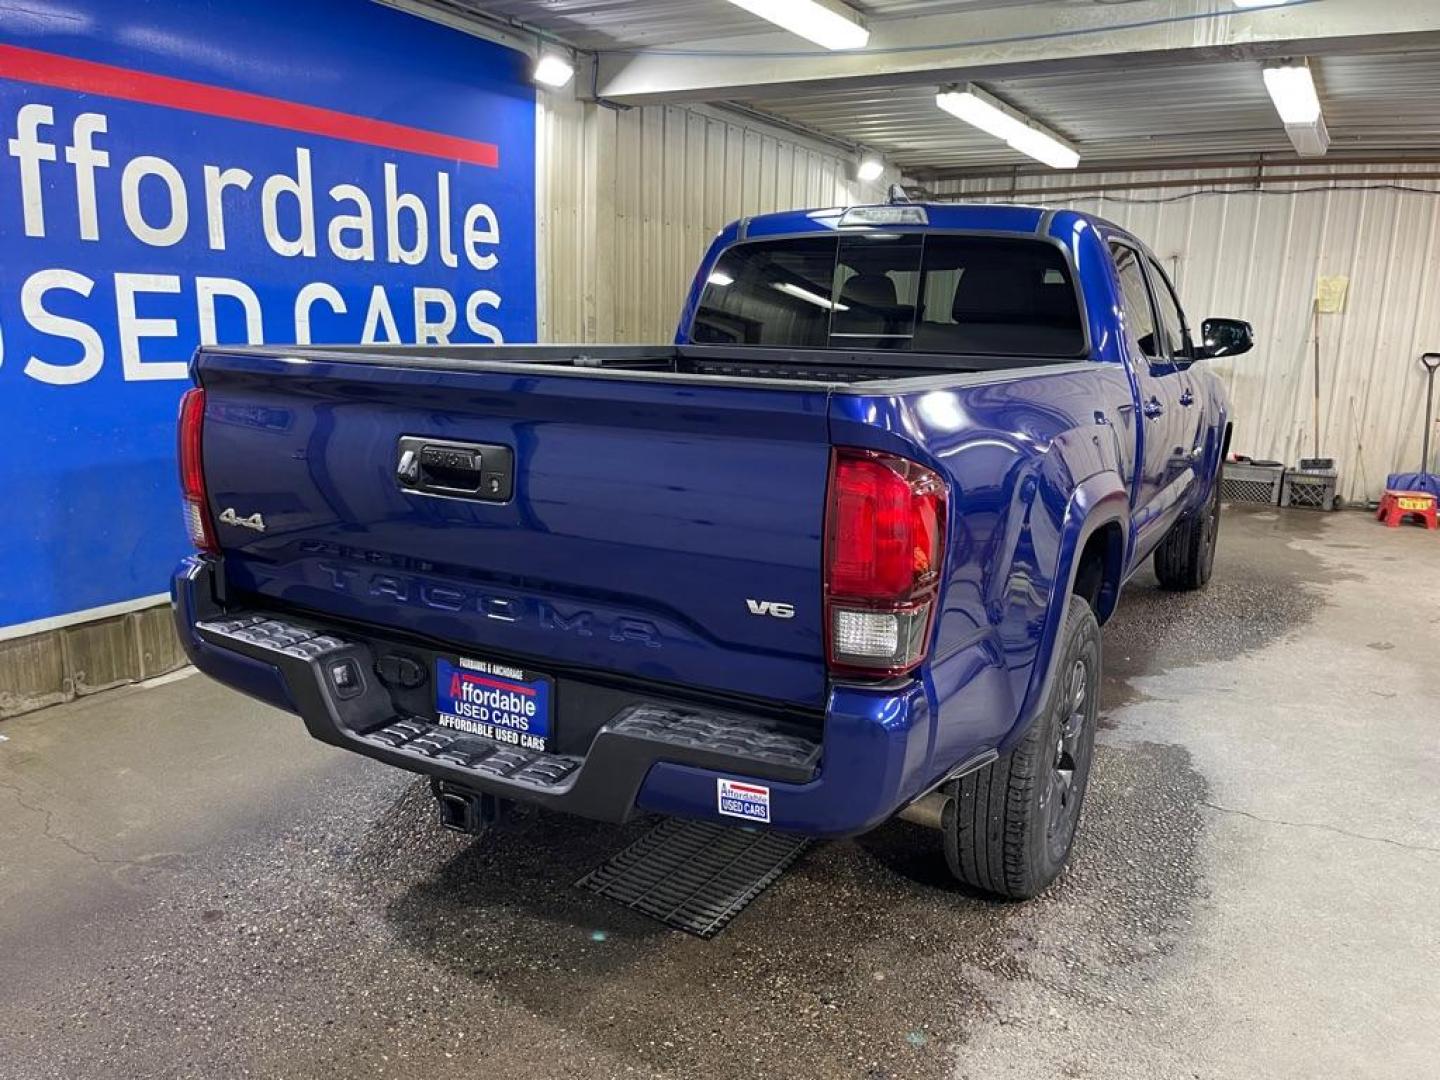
619	24
1374	103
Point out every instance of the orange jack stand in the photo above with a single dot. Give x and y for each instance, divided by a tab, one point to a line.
1396	506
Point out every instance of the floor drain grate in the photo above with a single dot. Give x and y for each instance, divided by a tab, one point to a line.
695	875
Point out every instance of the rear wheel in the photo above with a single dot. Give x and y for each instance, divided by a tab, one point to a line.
1185	557
1009	827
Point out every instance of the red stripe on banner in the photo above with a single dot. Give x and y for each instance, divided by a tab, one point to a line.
530	691
84	76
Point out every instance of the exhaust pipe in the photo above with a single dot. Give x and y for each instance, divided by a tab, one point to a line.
928	810
469	812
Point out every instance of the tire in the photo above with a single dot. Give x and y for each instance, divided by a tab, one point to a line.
1186	556
1008	828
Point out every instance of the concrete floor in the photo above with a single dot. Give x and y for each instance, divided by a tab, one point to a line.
190	887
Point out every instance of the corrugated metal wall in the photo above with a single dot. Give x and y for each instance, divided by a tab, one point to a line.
1256	254
629	200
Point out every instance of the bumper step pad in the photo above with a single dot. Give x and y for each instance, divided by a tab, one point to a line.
481	755
695	875
284	637
794	756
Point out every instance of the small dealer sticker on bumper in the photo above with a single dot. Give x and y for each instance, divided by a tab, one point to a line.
748	801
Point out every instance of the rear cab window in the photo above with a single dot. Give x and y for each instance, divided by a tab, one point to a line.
875	290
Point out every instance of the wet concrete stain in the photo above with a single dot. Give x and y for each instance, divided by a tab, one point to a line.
1261	591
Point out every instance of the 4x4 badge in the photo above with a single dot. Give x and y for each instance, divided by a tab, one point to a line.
254	521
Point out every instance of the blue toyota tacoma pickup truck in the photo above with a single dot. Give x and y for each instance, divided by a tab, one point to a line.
841	552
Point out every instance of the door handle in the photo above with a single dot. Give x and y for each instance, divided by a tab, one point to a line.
1152	408
1188	397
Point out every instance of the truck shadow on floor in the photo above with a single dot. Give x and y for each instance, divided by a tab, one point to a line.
804	978
864	947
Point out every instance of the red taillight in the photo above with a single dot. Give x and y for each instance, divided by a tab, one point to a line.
884	546
192	471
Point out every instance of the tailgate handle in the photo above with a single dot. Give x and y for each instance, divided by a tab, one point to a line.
455	470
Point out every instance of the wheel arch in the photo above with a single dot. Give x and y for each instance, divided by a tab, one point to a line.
1097	519
1100	569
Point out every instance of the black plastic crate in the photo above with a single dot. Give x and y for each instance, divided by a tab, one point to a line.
1249	483
1310	489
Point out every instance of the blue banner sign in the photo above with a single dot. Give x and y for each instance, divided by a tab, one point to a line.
175	173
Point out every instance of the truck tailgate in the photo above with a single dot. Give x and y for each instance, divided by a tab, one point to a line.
654	530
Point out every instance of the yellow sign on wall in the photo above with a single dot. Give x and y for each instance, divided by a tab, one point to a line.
1330	293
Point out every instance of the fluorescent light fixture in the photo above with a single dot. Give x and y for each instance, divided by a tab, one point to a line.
1044	147
809	297
1292	89
825	22
719	277
1309	140
553	70
1019	132
870	168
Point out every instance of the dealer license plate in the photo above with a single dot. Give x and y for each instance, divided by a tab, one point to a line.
495	701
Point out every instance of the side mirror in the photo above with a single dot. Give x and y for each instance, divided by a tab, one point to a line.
1224	337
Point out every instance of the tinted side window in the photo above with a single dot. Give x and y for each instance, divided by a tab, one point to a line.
1139	316
1170	316
769	294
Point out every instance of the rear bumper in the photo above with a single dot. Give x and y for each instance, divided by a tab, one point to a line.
874	757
